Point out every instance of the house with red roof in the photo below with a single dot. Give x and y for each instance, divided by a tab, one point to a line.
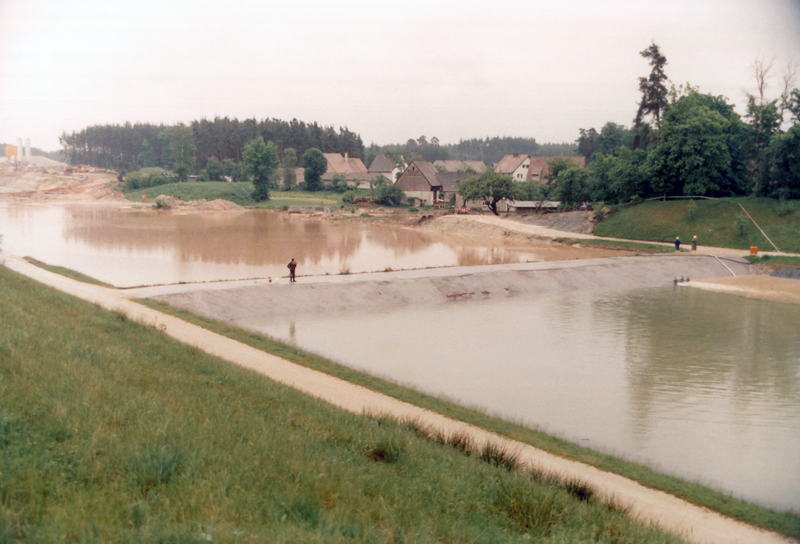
352	169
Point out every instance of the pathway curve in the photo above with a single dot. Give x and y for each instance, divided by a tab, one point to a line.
672	514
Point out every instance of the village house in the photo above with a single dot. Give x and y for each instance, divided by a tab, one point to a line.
422	182
352	169
384	165
528	168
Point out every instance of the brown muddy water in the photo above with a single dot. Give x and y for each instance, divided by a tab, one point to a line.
702	385
129	247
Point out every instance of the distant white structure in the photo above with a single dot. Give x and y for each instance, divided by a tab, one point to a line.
28	150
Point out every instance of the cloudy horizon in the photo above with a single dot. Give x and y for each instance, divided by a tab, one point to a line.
387	72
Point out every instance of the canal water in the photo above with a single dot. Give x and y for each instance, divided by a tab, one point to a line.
129	247
702	385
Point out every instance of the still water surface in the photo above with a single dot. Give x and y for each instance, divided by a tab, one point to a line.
702	385
128	247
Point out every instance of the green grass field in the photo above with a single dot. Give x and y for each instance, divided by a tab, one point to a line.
240	193
714	222
112	431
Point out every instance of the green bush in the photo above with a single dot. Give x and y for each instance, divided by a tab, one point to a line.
348	197
147	177
389	194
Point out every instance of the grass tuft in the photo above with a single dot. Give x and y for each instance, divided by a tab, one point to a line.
385	451
500	457
530	507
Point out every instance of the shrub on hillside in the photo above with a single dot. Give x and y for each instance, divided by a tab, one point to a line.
147	177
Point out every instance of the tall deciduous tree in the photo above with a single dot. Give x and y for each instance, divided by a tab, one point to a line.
691	155
490	188
315	165
182	150
572	185
261	161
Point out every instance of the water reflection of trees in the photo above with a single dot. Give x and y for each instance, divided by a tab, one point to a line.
683	343
252	238
258	238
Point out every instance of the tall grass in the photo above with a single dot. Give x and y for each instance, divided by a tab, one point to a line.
719	223
111	431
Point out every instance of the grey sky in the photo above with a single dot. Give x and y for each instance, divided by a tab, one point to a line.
388	70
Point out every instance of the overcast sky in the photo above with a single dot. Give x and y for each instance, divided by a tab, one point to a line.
387	70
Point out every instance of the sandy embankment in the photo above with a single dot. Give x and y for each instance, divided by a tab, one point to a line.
763	287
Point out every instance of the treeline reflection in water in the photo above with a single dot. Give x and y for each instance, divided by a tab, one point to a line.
702	385
137	247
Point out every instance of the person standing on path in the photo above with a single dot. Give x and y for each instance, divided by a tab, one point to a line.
694	243
291	266
677	244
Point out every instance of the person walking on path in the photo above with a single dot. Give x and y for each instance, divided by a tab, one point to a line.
677	244
292	266
694	243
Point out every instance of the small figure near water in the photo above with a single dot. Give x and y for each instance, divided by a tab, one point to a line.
677	244
291	266
694	243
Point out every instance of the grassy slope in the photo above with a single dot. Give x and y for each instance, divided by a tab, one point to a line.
239	193
713	223
111	431
782	522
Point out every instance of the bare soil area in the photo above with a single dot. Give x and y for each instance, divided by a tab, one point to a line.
88	185
37	186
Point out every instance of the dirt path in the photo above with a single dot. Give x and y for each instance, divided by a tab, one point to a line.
692	522
512	226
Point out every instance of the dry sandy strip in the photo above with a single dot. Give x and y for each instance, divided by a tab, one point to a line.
763	287
694	523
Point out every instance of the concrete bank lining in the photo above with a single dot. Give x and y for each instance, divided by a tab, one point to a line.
369	292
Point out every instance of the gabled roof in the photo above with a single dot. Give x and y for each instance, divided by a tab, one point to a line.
382	164
429	171
338	164
510	163
416	170
461	166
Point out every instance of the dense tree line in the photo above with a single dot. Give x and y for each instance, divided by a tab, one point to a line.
131	146
487	150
